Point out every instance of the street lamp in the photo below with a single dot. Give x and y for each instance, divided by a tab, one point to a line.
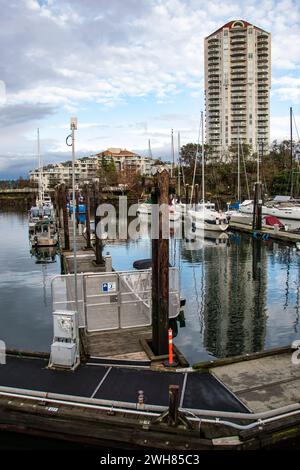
73	127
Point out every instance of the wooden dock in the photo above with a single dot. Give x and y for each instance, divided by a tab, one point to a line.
281	235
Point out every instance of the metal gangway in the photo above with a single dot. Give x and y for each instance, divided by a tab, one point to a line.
113	300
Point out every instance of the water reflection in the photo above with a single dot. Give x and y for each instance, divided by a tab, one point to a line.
242	294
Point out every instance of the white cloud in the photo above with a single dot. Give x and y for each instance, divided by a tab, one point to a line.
77	55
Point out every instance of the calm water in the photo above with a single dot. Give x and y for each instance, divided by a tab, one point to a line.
242	296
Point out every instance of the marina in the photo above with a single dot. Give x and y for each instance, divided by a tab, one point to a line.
214	356
150	242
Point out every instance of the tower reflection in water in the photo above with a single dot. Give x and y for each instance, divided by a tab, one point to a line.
231	295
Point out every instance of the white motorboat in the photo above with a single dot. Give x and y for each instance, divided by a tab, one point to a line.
146	209
43	234
279	208
207	219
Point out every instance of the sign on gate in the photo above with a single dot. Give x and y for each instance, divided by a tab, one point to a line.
109	287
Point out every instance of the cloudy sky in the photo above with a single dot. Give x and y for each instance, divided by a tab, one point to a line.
130	70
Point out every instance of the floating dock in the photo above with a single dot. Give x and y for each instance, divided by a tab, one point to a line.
247	404
279	235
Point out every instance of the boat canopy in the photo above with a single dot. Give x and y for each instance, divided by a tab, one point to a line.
282	198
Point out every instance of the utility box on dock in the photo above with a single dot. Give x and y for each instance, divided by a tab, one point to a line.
65	324
63	354
65	345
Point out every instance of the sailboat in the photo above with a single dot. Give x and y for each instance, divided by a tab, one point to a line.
145	208
41	223
205	217
282	207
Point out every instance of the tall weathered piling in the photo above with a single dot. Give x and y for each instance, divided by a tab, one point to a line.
77	207
196	193
63	202
87	215
257	207
160	269
97	218
186	193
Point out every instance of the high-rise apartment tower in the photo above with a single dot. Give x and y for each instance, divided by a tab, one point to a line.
237	87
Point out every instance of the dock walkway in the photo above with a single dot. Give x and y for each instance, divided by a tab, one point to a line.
118	384
265	383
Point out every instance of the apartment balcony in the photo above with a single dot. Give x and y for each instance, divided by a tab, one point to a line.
241	107
239	83
262	55
214	53
238	53
238	40
237	33
261	40
238	79
236	66
262	63
238	71
213	47
236	60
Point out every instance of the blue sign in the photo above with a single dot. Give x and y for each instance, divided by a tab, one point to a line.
104	287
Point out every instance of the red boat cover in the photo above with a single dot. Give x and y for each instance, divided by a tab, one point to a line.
272	220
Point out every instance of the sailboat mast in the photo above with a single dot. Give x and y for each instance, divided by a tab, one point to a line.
291	151
150	151
41	195
173	153
179	165
203	160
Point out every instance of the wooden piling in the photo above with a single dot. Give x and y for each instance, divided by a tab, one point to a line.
87	216
65	217
257	207
77	208
196	193
160	273
173	405
98	240
186	193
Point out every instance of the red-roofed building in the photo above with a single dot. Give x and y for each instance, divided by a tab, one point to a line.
126	160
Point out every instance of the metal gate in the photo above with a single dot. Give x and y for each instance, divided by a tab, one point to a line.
109	301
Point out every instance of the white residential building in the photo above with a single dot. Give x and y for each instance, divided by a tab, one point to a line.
237	86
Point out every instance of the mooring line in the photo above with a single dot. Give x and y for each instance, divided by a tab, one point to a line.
183	390
101	382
